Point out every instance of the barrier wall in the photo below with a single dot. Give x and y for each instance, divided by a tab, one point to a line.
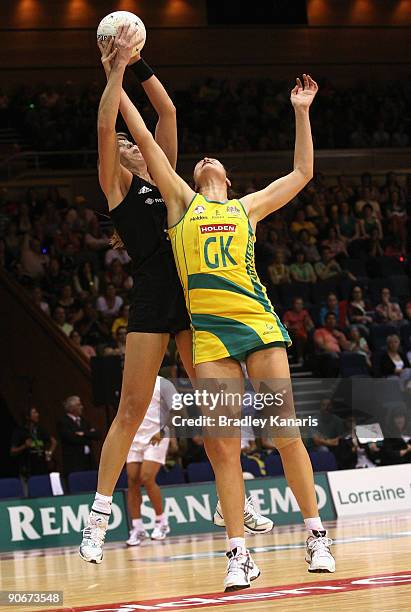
56	521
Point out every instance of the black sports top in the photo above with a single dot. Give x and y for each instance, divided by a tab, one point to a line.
141	222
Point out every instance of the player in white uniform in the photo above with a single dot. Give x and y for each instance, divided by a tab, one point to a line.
147	454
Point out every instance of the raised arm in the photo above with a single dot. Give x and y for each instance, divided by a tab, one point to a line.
176	193
280	192
114	178
166	128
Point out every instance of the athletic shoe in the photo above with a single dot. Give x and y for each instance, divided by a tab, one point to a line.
238	570
253	521
91	548
137	537
318	554
254	571
160	531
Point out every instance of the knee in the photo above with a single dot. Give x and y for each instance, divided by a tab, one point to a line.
147	479
133	482
131	411
225	451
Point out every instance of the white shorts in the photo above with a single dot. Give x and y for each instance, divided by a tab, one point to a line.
157	453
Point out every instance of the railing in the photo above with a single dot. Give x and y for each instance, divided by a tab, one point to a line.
331	161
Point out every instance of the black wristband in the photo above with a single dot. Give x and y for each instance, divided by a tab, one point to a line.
142	70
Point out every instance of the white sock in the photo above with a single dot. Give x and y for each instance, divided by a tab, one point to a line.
238	543
314	524
161	518
102	504
138	524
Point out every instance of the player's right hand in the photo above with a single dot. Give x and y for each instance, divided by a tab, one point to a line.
108	53
125	42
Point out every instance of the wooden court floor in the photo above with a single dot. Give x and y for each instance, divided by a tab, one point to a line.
373	573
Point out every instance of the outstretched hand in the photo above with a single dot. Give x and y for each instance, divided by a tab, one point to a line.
303	94
125	41
108	53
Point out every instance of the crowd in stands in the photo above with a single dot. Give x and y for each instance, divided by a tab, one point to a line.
335	263
252	115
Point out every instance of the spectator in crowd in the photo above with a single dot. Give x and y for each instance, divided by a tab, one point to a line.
86	281
369	223
121	320
301	223
118	277
33	446
335	244
332	305
367	199
329	342
37	298
328	267
396	448
110	303
302	271
33	260
351	453
397	216
59	317
118	253
387	311
278	271
92	327
85	349
71	305
76	437
394	362
358	344
118	347
94	240
307	244
374	248
359	312
55	279
347	223
330	429
299	324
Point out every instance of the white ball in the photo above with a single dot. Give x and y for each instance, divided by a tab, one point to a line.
108	27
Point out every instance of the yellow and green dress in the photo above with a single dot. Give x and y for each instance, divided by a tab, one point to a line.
231	315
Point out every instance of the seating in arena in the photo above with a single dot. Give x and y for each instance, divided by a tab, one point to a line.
11	487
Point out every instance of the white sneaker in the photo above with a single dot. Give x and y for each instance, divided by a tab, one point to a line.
91	547
254	571
253	521
160	531
238	570
137	537
318	554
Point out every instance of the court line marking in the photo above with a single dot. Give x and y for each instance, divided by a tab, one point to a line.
214	554
296	590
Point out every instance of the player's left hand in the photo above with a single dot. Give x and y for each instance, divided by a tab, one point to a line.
303	94
156	439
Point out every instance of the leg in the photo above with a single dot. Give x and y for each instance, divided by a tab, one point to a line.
144	353
184	341
224	453
149	471
134	489
272	365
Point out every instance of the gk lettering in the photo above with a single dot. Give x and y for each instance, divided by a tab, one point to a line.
216	252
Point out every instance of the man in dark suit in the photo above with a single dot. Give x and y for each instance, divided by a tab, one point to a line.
76	436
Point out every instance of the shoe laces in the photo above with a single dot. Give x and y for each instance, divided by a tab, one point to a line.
239	560
249	510
319	544
95	531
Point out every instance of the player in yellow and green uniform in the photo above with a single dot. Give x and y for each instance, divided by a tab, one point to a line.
230	312
232	319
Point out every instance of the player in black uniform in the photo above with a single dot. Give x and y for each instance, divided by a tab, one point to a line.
158	308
